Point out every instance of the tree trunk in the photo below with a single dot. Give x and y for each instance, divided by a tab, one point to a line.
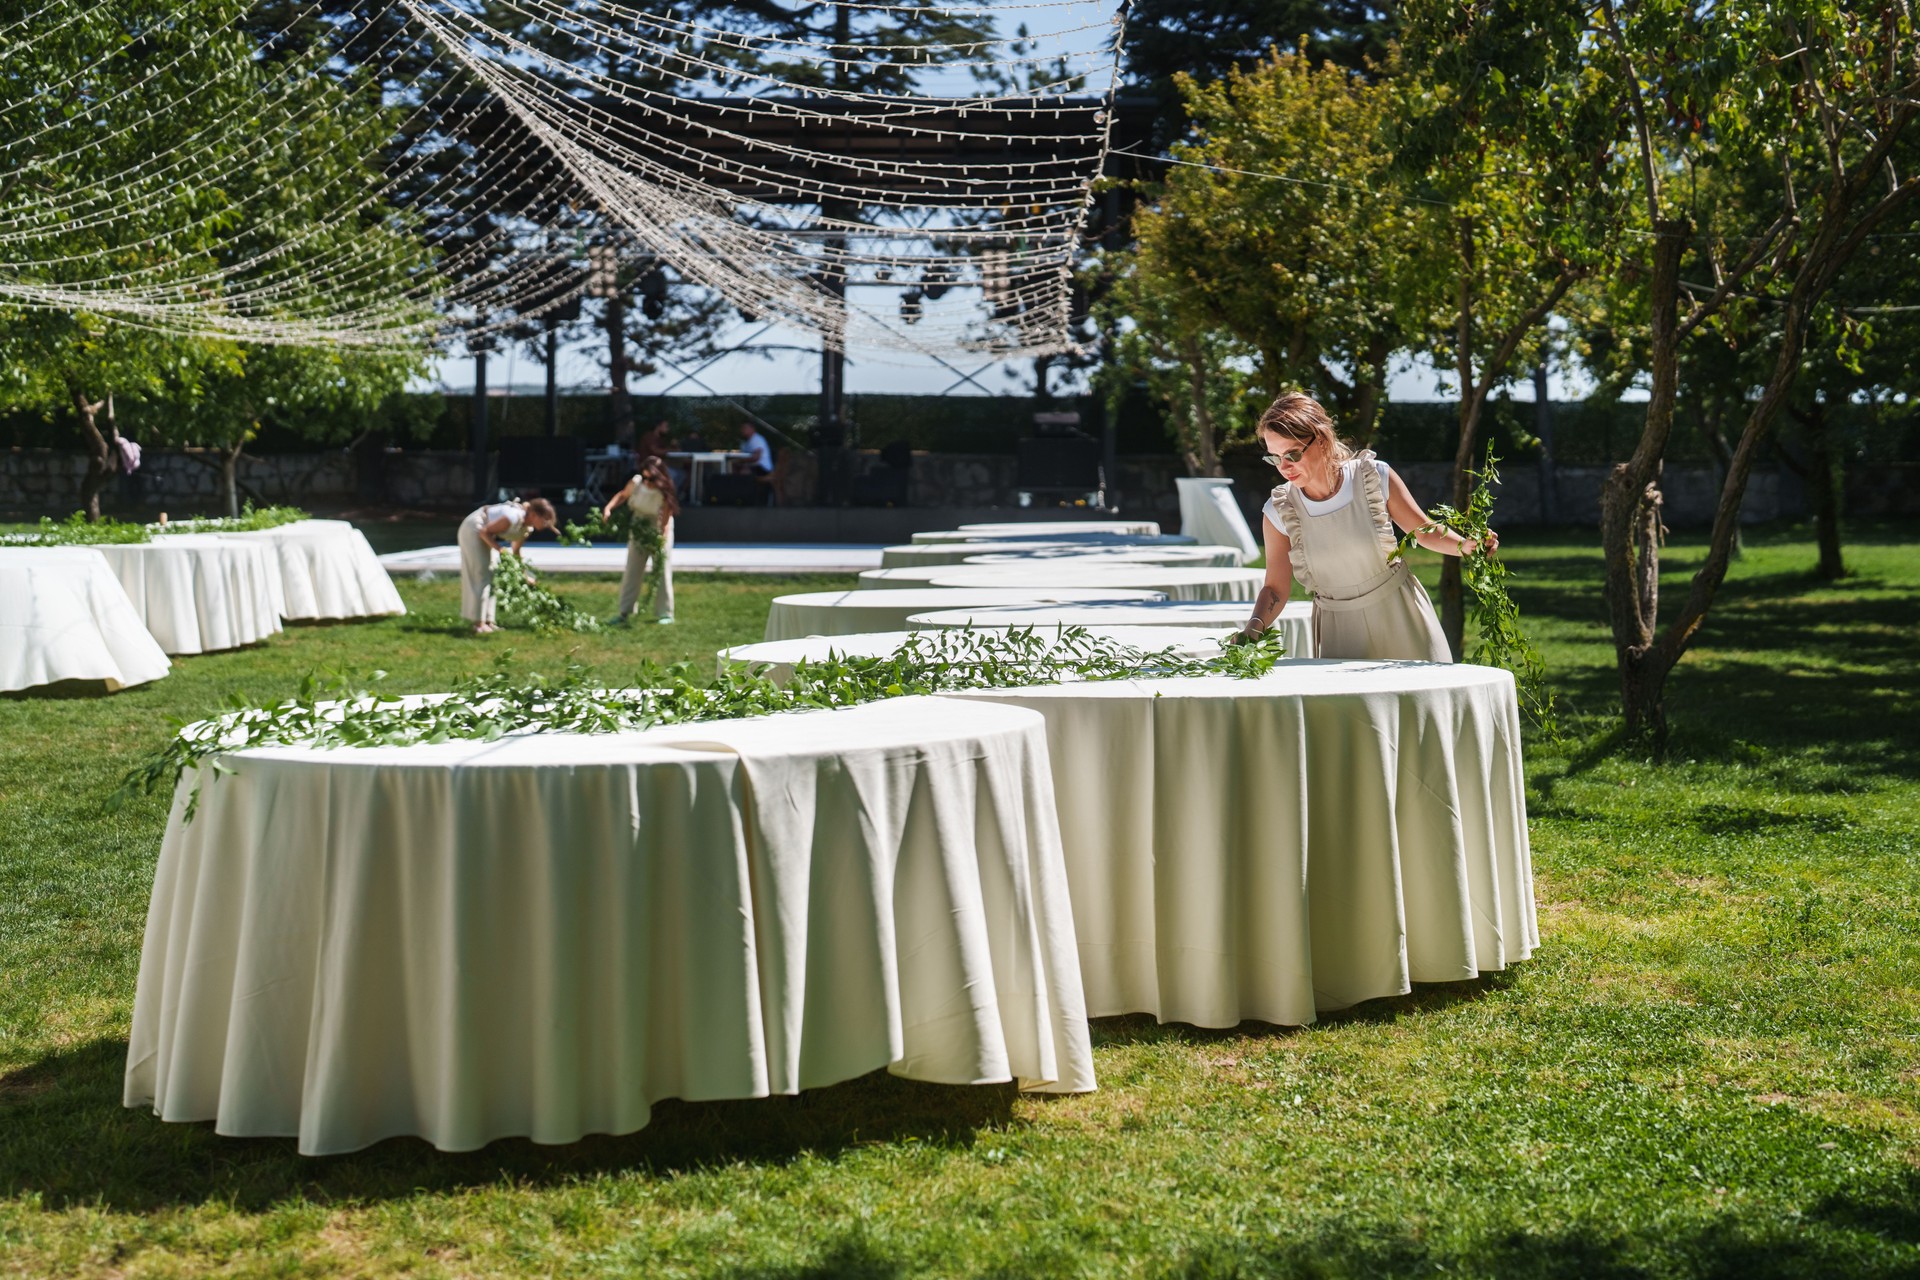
99	452
230	478
1453	610
1823	486
1370	385
1630	500
1203	455
618	366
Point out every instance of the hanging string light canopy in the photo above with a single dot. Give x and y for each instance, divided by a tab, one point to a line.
832	166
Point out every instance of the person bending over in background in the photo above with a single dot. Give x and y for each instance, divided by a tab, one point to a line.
496	527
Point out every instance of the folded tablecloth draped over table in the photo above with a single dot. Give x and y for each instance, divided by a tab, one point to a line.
1176	582
64	616
199	592
906	556
1265	849
845	613
327	570
1210	512
543	935
1044	529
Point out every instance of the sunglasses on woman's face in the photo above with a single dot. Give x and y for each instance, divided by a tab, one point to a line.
1290	457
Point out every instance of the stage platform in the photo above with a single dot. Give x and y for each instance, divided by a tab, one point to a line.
688	557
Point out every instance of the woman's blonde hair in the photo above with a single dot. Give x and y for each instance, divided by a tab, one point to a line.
1298	416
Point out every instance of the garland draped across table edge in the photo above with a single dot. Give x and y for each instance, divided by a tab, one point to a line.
77	531
330	712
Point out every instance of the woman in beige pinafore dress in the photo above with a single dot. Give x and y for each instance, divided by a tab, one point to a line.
1331	526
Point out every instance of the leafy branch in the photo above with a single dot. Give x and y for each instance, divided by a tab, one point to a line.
335	711
1495	617
77	531
515	594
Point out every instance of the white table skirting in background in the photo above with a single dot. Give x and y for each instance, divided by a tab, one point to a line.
919	553
1270	849
1295	623
65	616
779	656
1176	582
1188	557
328	571
201	592
842	613
544	935
1210	513
1042	529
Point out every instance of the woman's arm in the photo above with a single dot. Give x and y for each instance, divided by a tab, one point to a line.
1279	584
626	491
1410	517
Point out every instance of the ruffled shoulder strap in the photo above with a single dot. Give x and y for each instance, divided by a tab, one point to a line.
1283	506
1367	472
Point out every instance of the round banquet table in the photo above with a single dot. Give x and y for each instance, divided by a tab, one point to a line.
1176	582
328	571
845	613
1043	529
901	557
199	592
544	935
779	656
1191	557
64	616
1266	849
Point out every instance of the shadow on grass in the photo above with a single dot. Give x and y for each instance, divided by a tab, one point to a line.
1425	998
61	691
1855	1234
65	1137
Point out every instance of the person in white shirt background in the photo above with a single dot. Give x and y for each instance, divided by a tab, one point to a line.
759	453
488	530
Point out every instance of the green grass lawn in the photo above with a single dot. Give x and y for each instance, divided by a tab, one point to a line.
1709	1069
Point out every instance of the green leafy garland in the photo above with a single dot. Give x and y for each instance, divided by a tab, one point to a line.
77	531
540	609
1495	617
336	712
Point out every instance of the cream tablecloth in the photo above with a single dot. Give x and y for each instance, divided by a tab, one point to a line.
544	935
328	570
920	553
1176	582
843	613
1325	835
199	592
64	616
779	656
1042	529
1210	513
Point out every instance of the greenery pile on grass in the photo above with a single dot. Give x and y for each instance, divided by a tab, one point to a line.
1710	1068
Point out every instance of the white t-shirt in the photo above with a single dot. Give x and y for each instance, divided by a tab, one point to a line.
759	452
645	500
1341	496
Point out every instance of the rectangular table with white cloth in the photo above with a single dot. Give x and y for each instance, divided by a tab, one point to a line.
1324	835
546	934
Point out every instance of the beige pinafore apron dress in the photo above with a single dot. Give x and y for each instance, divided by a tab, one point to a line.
1365	605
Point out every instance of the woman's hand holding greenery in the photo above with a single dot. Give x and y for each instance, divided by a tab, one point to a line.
1493	613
